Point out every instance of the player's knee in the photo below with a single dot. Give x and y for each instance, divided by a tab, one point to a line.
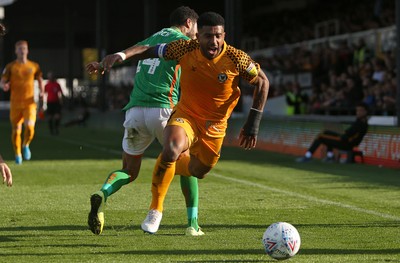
172	152
170	155
132	175
200	176
199	172
133	172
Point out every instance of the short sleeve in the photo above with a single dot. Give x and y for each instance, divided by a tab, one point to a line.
177	49
38	73
247	67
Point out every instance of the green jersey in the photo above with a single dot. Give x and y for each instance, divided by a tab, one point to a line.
157	81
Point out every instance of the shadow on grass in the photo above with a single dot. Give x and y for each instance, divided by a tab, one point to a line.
210	227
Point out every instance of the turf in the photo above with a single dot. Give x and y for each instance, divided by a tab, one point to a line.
344	213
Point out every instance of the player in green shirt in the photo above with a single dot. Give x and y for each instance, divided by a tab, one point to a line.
155	93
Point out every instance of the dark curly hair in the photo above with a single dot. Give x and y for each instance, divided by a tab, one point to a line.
210	19
179	16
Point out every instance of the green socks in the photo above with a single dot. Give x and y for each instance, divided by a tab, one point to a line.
190	189
189	186
114	182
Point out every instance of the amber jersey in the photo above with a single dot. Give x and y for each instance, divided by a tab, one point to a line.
22	78
209	88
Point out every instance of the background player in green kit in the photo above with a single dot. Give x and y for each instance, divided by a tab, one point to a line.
155	93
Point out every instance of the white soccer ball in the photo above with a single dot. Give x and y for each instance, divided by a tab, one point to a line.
281	240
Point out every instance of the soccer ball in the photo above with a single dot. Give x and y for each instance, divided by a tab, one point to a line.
281	240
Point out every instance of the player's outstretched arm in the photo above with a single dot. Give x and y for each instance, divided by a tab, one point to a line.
135	52
249	132
98	67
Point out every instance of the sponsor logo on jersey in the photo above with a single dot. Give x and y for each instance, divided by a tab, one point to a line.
222	77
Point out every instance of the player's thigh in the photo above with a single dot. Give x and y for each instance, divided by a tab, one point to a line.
137	138
156	120
331	133
205	153
332	142
175	142
178	135
29	114
16	117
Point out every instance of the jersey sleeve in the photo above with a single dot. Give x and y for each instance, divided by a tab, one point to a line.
38	73
177	49
247	67
6	72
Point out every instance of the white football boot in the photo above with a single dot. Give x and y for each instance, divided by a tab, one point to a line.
152	221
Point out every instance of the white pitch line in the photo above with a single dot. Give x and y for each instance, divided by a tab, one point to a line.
309	198
305	197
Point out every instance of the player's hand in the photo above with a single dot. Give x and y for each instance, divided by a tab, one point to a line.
110	60
247	142
6	86
6	173
94	67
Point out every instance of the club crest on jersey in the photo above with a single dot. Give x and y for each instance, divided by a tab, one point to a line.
252	69
180	120
222	77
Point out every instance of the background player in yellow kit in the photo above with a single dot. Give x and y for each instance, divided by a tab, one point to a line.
19	77
209	91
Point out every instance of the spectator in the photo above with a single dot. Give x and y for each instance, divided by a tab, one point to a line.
361	53
346	141
294	99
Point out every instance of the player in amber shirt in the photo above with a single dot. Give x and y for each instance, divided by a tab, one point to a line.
18	77
209	91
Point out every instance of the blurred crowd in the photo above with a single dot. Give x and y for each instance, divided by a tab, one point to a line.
341	16
343	74
341	78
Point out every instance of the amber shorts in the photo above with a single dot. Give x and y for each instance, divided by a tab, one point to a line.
26	114
205	137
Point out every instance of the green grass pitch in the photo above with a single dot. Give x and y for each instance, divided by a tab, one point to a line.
344	213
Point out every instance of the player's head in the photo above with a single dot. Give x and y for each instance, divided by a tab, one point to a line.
21	48
361	110
50	76
211	34
185	19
